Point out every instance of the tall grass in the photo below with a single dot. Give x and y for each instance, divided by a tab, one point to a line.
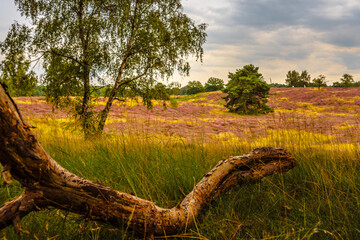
320	199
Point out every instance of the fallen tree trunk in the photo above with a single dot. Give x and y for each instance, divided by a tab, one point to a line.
46	183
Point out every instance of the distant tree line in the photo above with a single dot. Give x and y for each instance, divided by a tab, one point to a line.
27	86
194	87
347	80
303	79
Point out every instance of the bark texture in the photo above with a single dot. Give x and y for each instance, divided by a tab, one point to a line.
46	183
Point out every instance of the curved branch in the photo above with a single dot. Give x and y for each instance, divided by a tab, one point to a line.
48	184
12	212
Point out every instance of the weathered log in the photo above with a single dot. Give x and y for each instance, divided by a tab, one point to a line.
46	183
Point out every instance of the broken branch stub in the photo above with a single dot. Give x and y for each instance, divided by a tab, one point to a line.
46	183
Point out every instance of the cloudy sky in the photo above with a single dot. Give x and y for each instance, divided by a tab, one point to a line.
320	36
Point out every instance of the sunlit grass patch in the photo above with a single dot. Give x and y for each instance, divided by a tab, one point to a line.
172	120
204	119
159	102
197	99
192	98
350	109
17	101
115	120
341	114
167	140
311	107
284	99
29	100
349	100
308	112
337	147
225	138
318	89
302	111
131	102
48	126
188	121
186	98
100	103
344	126
51	122
275	93
355	98
290	138
216	104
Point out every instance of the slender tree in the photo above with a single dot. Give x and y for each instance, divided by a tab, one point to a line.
347	80
319	81
295	79
305	79
292	78
86	43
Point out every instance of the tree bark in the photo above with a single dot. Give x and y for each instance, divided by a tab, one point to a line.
46	183
105	112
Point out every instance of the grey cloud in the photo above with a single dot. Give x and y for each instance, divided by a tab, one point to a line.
280	29
351	60
272	52
234	35
343	32
235	25
270	14
344	36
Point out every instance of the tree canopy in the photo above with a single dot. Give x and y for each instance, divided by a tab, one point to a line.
15	70
247	91
295	79
347	80
214	84
319	81
194	87
87	43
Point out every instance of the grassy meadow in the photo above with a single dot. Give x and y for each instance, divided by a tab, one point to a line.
160	154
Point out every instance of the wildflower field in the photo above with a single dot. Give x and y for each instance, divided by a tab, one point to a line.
160	154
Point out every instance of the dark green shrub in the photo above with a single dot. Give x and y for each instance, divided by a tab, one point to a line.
247	92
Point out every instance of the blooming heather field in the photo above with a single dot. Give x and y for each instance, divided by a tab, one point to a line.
329	115
160	154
